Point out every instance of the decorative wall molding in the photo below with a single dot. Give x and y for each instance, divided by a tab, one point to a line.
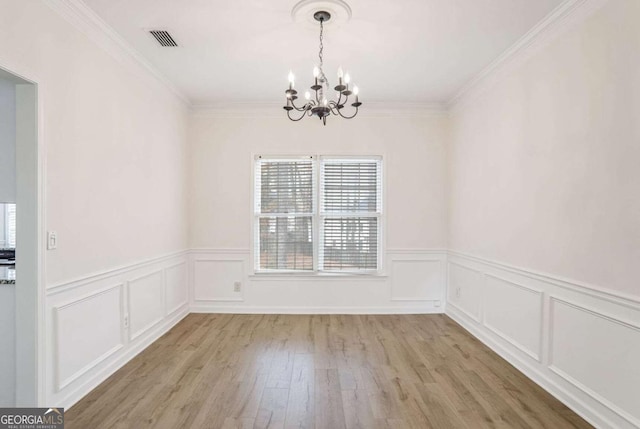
84	19
452	302
223	265
534	353
73	393
101	275
59	330
402	251
591	360
411	266
182	303
557	22
554	301
154	279
610	295
97	324
327	293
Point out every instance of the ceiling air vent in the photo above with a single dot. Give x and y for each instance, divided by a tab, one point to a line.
163	37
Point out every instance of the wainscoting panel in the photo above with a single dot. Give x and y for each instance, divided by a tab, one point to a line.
416	279
465	289
177	291
579	342
98	323
514	312
146	302
96	320
215	279
598	354
414	282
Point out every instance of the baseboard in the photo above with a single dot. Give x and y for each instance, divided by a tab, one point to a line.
314	310
572	340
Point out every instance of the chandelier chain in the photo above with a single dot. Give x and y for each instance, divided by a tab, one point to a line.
323	77
321	44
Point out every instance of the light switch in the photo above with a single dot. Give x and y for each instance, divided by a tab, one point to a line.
52	240
237	286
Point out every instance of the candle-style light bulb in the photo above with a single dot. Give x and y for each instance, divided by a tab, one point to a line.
340	73
307	95
316	71
355	90
347	78
324	101
291	76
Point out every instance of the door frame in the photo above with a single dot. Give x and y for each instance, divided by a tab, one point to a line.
30	193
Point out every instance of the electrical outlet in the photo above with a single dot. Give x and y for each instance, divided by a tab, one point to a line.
237	286
457	292
52	240
126	321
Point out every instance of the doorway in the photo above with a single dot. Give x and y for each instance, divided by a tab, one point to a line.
20	197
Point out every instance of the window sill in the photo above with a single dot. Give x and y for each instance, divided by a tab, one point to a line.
317	276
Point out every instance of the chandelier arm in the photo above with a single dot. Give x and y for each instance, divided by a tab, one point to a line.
337	103
348	117
293	119
299	109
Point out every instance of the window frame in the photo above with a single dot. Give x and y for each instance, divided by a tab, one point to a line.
317	218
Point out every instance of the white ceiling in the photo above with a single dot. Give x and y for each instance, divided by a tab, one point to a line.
395	50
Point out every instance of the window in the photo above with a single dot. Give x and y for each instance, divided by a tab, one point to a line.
310	222
7	225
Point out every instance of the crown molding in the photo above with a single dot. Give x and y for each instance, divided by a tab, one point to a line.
271	110
558	21
561	19
84	19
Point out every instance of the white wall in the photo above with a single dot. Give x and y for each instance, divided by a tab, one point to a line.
7	140
113	139
221	153
544	235
115	145
544	165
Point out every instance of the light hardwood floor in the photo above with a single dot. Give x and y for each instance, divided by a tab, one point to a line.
322	371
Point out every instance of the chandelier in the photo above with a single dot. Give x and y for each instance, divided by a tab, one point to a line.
319	104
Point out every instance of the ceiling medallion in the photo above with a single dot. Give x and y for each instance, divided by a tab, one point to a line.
319	104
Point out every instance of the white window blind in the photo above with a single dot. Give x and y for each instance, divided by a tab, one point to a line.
298	229
284	210
10	218
350	212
